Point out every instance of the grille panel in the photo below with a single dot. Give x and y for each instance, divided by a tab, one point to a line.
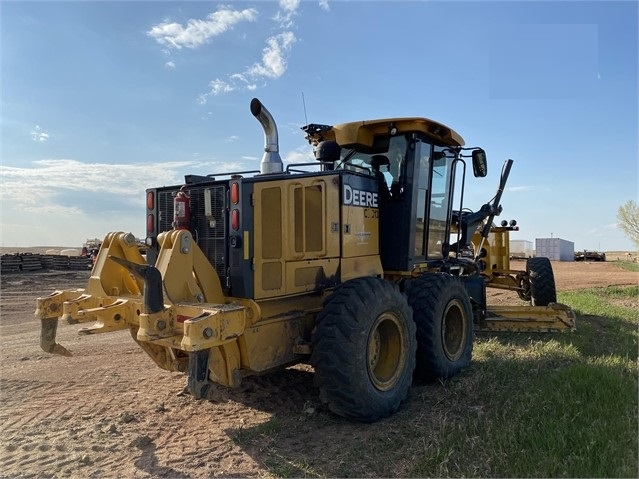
209	233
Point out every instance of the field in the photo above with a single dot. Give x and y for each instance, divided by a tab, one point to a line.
108	411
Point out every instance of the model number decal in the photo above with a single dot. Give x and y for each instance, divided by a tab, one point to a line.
355	197
371	213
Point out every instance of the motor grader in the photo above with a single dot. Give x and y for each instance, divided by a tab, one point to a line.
363	263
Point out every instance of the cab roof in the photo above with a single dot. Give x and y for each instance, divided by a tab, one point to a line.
348	135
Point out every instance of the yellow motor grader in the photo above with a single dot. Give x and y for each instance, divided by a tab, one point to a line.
362	263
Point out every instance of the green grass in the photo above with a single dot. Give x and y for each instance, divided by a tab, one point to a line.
265	430
627	265
549	405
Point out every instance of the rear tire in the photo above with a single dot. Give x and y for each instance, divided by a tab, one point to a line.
364	349
444	319
542	281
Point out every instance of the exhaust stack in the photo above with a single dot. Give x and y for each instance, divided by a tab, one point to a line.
271	161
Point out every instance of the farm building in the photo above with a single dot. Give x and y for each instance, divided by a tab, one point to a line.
521	249
555	249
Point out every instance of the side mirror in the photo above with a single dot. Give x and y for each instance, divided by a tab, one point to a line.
480	164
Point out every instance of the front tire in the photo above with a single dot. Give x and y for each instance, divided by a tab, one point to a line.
444	319
542	281
364	349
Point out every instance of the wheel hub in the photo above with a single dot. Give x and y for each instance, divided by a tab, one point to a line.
386	351
454	331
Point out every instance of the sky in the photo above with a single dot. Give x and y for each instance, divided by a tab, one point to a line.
101	100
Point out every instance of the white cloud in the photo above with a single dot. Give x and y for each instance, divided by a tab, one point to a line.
216	86
39	135
288	10
324	5
303	154
64	201
51	176
54	201
273	63
602	230
515	189
198	32
289	5
273	66
232	138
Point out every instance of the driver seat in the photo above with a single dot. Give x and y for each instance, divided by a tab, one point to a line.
377	161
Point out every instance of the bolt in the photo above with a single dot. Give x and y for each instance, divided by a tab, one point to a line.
185	244
161	324
200	298
207	333
129	239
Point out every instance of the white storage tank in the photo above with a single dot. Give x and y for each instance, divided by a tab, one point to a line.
521	249
555	249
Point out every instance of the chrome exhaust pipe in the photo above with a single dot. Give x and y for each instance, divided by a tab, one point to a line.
271	161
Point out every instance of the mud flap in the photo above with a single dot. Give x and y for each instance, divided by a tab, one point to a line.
198	380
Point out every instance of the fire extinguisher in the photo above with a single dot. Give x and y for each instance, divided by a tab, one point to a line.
181	210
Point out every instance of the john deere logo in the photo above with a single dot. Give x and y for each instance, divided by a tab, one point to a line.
355	197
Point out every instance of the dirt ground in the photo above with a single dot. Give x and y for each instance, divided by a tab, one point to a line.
108	411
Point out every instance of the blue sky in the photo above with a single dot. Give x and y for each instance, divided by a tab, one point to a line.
101	100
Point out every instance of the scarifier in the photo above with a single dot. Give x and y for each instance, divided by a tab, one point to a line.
364	263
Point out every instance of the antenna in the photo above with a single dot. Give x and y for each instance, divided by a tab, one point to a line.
304	104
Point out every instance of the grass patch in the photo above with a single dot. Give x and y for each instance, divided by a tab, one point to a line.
604	302
265	431
562	405
607	320
576	421
627	265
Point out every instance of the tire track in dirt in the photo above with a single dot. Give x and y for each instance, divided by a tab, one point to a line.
113	411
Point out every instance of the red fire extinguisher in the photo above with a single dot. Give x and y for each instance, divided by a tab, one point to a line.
181	210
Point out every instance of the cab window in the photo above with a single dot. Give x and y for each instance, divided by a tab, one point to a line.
423	154
441	193
395	149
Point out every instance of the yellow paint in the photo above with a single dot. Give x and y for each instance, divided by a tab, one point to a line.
298	221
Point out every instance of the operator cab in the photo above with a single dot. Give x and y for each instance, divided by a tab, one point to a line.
415	178
415	162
